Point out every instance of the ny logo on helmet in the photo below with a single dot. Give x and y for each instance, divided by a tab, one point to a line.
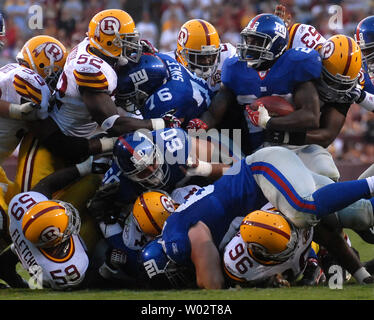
139	77
110	25
151	268
280	30
51	50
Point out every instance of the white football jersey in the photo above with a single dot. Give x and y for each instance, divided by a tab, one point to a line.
19	85
240	266
304	36
57	273
214	81
82	70
132	236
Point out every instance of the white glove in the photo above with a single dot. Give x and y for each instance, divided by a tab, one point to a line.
25	111
90	165
200	168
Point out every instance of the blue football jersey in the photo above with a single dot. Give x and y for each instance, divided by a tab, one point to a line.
175	146
295	66
235	194
185	93
369	85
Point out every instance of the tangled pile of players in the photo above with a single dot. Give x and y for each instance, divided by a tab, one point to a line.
120	183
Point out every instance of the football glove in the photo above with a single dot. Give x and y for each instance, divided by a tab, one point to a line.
27	111
171	121
356	95
197	124
91	165
259	117
104	206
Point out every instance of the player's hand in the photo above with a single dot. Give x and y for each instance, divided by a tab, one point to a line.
90	165
171	121
103	206
27	111
356	95
282	13
148	47
197	124
259	117
278	281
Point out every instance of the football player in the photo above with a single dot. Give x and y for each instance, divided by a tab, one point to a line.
194	234
264	67
45	232
25	97
158	85
162	159
265	246
2	31
142	225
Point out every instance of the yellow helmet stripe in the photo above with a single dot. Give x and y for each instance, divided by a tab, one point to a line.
149	215
349	59
265	226
37	215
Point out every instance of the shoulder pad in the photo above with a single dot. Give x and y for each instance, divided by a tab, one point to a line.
28	84
91	78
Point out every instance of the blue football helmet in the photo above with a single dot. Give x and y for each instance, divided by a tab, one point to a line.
264	39
162	272
137	81
141	160
2	30
364	36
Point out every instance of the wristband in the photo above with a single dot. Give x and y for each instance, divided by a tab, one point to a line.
107	144
361	274
204	169
109	122
158	123
85	167
15	111
367	102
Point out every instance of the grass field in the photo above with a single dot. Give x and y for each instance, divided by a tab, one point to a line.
350	291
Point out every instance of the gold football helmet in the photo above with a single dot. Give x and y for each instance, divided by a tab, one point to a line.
269	236
341	65
198	47
43	54
150	211
112	32
49	223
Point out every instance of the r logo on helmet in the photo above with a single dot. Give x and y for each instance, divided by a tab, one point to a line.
327	49
49	234
183	36
167	203
109	25
51	50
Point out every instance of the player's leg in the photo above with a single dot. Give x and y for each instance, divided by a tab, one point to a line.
34	163
290	186
318	160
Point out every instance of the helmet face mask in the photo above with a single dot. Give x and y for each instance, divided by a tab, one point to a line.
145	164
130	44
263	40
368	54
203	62
269	236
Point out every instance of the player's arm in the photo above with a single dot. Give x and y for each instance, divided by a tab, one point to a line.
218	107
331	123
63	177
204	160
205	257
306	116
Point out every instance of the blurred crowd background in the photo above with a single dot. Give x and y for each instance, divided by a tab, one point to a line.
160	20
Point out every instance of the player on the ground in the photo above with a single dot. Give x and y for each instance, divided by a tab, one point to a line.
194	232
263	67
158	85
45	231
162	159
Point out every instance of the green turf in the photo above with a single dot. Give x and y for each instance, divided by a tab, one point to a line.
350	291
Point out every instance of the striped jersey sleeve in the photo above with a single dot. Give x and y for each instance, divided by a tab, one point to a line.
96	80
27	90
